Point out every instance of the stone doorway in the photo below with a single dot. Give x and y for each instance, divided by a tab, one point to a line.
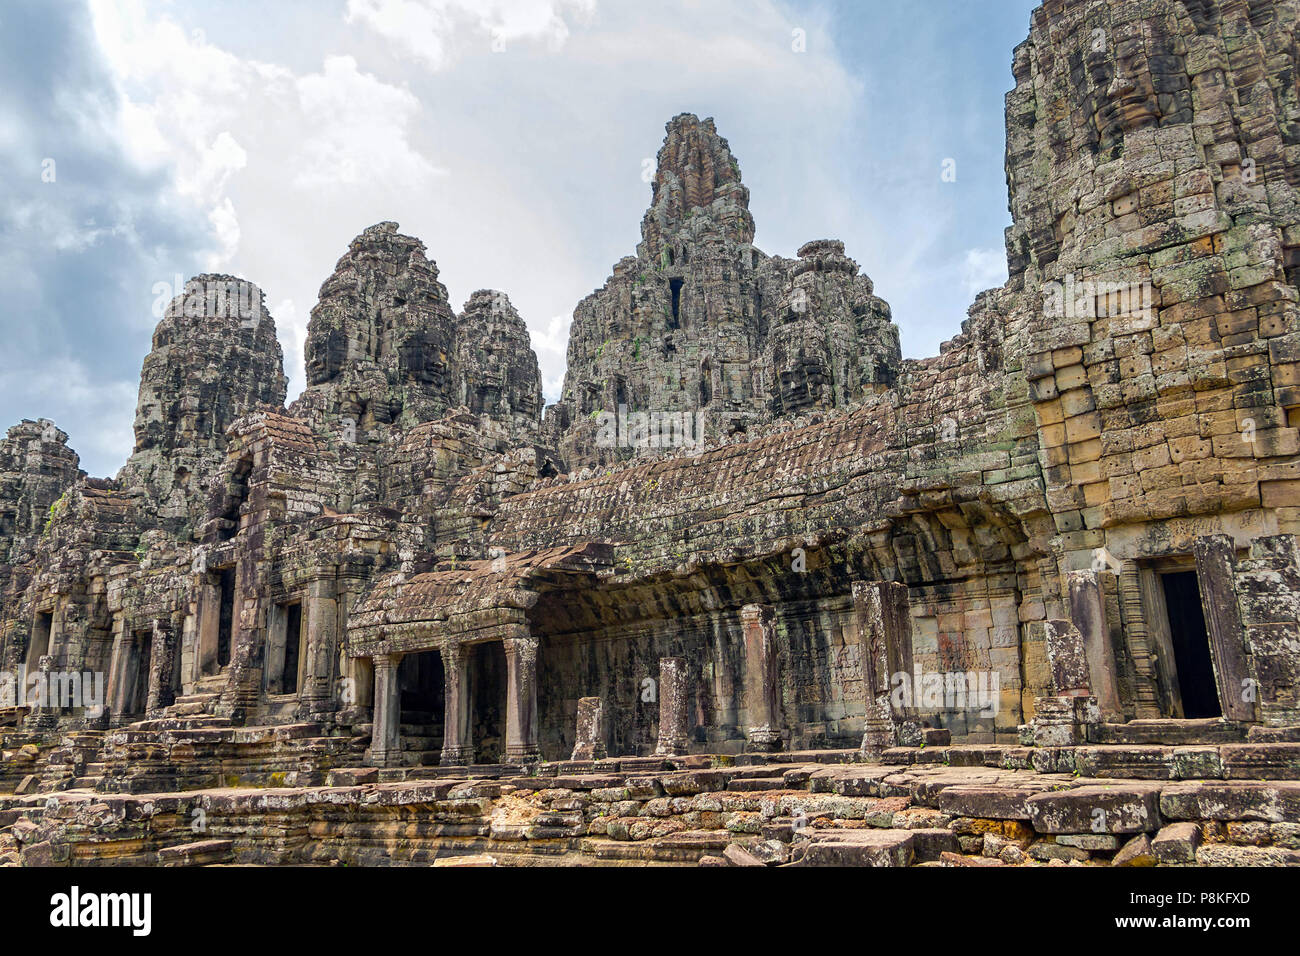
226	615
40	642
421	687
139	658
1190	643
284	652
487	677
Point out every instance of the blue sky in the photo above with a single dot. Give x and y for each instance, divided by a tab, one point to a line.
258	138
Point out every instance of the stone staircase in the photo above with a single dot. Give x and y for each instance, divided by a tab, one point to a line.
66	765
180	754
421	740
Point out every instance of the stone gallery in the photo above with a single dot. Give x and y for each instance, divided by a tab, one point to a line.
756	590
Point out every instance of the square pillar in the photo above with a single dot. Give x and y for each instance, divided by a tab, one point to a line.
119	689
162	661
1063	719
673	697
457	747
243	687
1087	593
320	646
885	638
1067	660
44	712
209	627
762	700
590	743
521	700
386	737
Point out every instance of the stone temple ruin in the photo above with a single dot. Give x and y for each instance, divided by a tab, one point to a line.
756	589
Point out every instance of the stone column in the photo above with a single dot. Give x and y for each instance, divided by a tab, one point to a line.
244	675
1215	563
1067	660
1062	719
321	647
590	743
119	688
386	738
209	626
673	698
762	700
162	660
44	713
521	700
884	634
1088	615
457	747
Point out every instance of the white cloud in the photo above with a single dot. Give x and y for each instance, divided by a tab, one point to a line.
198	110
552	345
520	171
983	269
352	117
437	32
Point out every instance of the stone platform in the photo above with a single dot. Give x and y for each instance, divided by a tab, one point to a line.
955	806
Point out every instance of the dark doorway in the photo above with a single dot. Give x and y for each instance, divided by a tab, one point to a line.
421	685
1191	642
226	623
487	679
141	655
40	642
292	648
676	286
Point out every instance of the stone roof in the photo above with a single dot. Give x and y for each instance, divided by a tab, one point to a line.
477	601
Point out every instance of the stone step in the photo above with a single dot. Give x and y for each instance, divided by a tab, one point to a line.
202	722
1172	732
190	705
420	758
685	847
202	853
859	848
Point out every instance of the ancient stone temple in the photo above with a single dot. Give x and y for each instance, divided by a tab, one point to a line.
756	589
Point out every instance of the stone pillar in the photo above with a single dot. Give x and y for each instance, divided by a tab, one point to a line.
762	700
673	698
885	638
244	675
119	676
1088	615
1215	564
44	713
1067	660
1062	719
162	660
321	647
209	626
386	738
521	700
457	747
590	743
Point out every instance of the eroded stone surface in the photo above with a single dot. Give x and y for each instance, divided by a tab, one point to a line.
413	567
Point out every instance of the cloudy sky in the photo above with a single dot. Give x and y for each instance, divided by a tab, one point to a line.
142	140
